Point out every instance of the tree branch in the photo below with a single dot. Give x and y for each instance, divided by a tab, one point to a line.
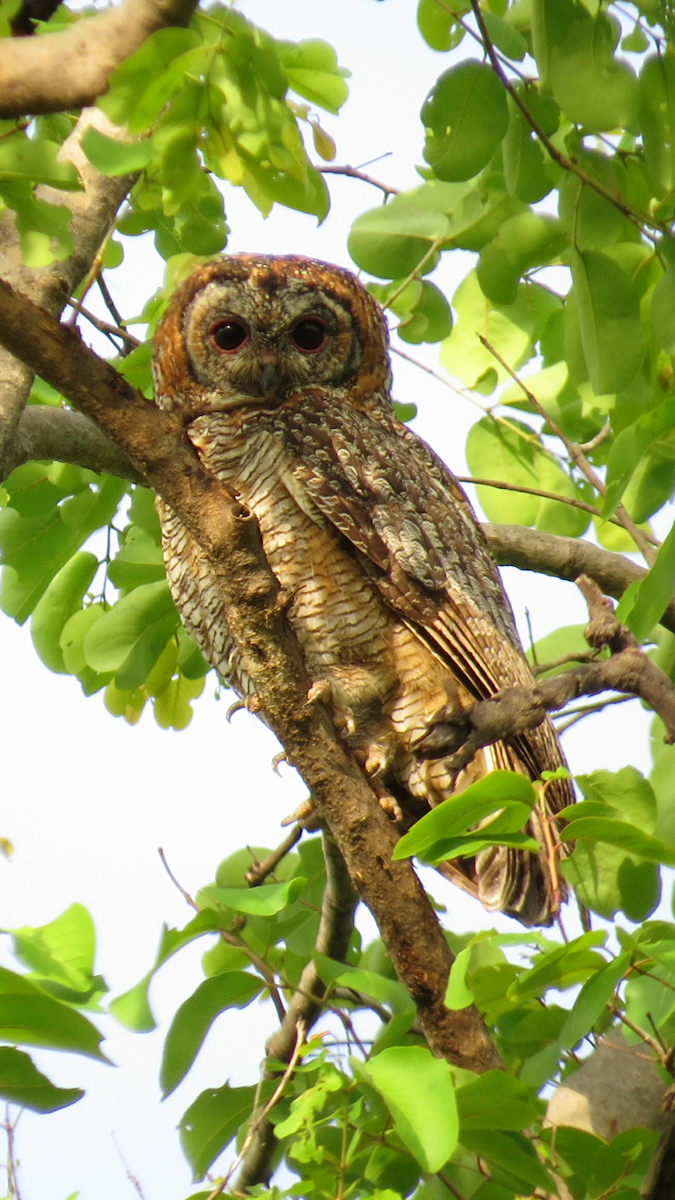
566	558
94	211
66	436
71	69
156	444
335	930
513	711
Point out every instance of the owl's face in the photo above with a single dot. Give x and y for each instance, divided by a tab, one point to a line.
250	331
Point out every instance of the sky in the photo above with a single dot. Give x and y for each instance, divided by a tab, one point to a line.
87	800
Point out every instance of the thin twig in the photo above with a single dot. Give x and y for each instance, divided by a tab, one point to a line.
9	1127
569	717
109	302
450	1186
598	439
641	539
258	871
528	491
541	668
635	216
355	173
642	1034
466	395
132	1178
105	326
232	940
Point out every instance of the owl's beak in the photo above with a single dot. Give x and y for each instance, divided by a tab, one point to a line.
270	377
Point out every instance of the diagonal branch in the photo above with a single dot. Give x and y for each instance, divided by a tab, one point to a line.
156	444
335	929
513	711
72	68
566	558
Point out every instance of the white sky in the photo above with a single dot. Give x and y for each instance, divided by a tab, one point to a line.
87	799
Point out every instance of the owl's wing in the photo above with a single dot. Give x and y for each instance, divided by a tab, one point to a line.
389	495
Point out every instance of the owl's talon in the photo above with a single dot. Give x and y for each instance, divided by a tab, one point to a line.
276	763
376	762
391	807
235	708
305	815
321	690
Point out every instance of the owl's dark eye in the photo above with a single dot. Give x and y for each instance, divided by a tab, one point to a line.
310	335
228	336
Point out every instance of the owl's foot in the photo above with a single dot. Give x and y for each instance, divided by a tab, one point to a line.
319	691
377	760
305	815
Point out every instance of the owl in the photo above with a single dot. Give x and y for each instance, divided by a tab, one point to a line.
279	367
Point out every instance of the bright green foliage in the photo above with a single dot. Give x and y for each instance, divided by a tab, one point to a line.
561	186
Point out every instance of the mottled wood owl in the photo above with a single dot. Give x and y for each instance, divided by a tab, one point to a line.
279	366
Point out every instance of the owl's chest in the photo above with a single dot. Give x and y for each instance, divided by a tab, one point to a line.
335	610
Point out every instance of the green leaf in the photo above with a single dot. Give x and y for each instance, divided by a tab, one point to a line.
312	71
505	36
495	1101
35	548
453	817
32	1018
263	901
138	561
35	159
419	1094
623	835
466	117
193	1019
21	1083
524	172
574	52
561	967
609	313
131	636
526	240
172	708
113	157
437	25
657	118
591	1001
629	447
144	82
514	1154
384	991
457	993
132	1008
430	319
390	241
567	640
654	592
212	1121
62	951
62	598
463	355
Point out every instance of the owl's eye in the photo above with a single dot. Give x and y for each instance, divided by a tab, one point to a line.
228	336
310	335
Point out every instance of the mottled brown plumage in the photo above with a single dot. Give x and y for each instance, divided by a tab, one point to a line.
280	368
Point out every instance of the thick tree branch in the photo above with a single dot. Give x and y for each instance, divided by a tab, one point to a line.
156	444
67	436
72	69
566	558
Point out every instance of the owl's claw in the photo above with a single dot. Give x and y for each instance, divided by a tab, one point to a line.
305	815
235	708
391	807
276	763
321	690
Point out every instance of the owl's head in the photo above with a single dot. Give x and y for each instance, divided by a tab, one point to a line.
251	330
